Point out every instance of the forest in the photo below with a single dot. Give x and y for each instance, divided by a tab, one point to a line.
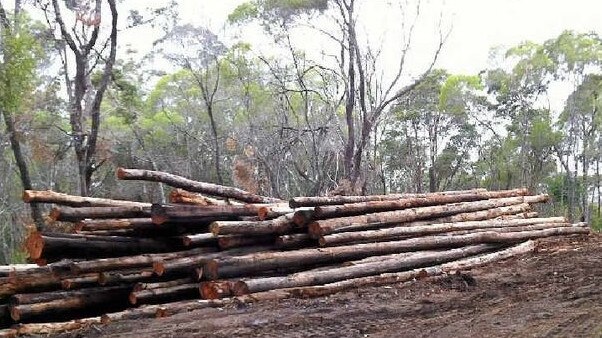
317	108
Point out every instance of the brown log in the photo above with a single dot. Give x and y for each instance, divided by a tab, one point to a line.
199	239
216	289
161	213
238	241
40	245
30	282
302	217
49	196
281	225
80	282
145	311
43	297
324	227
125	276
387	263
294	241
68	214
258	262
8	333
180	196
115	224
190	185
56	327
131	262
297	202
389	234
170	309
6	270
108	296
177	292
273	211
159	285
330	211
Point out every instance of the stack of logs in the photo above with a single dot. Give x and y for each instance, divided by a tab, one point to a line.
128	259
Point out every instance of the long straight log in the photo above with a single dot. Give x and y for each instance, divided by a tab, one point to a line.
49	196
41	245
258	262
28	283
56	327
6	270
389	234
161	213
43	297
324	227
330	211
294	241
160	285
297	202
145	311
125	276
273	211
180	196
109	297
131	262
532	227
68	214
387	263
176	292
199	239
115	224
190	185
8	333
278	226
79	282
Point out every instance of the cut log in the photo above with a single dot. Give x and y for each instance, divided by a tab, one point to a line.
388	263
388	234
39	245
31	282
115	224
177	292
294	241
216	289
190	185
131	262
56	327
145	311
180	196
161	213
302	217
125	276
8	333
278	226
160	285
273	211
80	282
6	270
330	211
324	227
221	268
67	214
297	202
238	241
109	297
44	297
49	196
199	239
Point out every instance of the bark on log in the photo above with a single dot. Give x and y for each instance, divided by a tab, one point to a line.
258	262
159	285
44	297
278	226
68	214
80	282
56	327
387	263
190	185
145	311
41	245
8	333
49	196
6	270
109	296
177	212
389	234
28	283
176	292
125	276
330	211
328	226
116	224
130	262
294	241
297	202
273	211
239	241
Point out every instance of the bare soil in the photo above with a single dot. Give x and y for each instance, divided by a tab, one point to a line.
555	292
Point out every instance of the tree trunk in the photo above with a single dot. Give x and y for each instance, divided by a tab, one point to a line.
190	185
259	262
388	263
324	227
49	196
389	234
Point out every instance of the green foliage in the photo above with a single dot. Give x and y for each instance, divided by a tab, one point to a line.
275	10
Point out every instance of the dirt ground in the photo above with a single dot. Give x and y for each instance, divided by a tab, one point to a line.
556	292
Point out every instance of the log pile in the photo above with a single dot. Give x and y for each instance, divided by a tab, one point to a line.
213	245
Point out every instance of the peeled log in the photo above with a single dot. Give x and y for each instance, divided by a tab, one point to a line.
190	185
8	333
297	202
41	245
324	227
281	225
49	196
67	214
259	262
388	263
175	292
330	211
388	234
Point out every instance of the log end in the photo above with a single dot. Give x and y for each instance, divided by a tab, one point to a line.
186	241
159	268
132	298
34	244
161	312
15	313
54	214
28	196
210	270
262	213
315	230
240	288
214	228
215	290
121	173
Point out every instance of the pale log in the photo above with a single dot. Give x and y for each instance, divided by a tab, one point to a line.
56	327
182	196
258	262
6	270
281	225
199	239
159	285
125	276
8	333
388	234
384	264
190	185
49	196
